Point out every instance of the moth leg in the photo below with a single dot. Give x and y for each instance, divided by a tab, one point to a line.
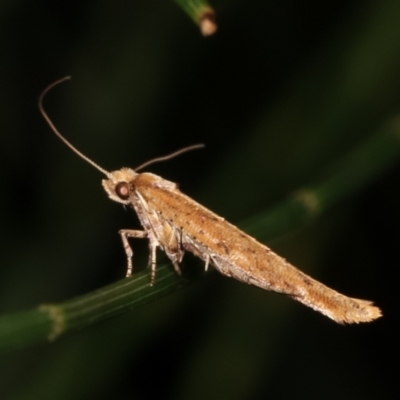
177	268
222	267
125	233
152	262
207	262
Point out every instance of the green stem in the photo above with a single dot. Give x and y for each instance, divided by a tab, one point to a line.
201	13
49	321
347	176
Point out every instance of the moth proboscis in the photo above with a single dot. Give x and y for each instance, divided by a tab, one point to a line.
176	223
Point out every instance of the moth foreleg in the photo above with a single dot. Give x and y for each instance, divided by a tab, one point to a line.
152	262
177	268
207	262
125	233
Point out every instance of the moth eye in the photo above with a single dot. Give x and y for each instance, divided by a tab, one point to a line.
122	190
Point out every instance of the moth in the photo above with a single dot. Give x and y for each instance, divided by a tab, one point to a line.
175	223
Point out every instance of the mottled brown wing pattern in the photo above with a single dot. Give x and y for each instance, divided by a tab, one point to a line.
238	255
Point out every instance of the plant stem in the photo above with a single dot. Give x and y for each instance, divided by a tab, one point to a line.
201	13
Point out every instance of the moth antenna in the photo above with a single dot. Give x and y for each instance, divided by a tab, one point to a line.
169	156
55	130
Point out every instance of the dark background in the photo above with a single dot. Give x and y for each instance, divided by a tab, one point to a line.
277	95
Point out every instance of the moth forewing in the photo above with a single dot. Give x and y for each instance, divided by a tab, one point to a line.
240	256
176	223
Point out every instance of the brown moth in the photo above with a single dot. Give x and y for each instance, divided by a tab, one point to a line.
175	223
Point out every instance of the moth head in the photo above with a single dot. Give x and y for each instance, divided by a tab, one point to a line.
120	185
